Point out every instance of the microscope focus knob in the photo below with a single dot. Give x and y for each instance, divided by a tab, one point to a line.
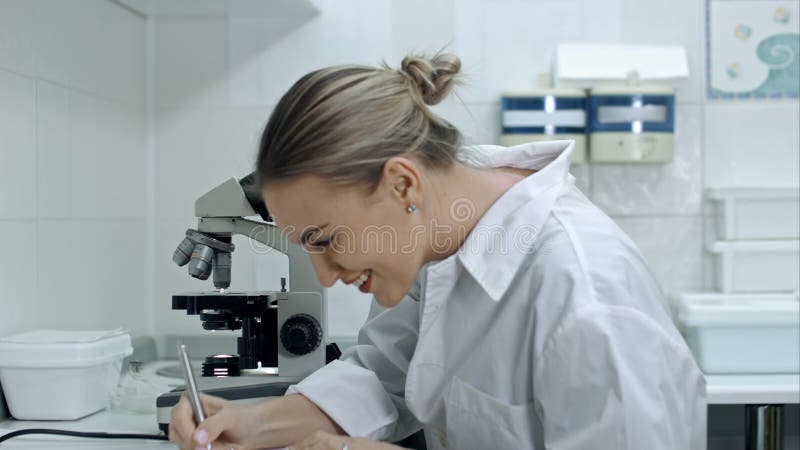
301	334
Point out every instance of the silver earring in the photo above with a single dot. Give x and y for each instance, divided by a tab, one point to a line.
412	208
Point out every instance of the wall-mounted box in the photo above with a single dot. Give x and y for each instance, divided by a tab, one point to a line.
631	124
545	114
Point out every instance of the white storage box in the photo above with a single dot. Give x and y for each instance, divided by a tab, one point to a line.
742	333
756	213
61	375
757	266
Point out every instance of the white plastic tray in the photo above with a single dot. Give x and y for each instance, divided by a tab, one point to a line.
757	266
742	333
756	213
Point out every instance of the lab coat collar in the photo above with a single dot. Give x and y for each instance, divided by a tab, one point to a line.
496	247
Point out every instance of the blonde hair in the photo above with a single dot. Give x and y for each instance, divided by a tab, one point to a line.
344	122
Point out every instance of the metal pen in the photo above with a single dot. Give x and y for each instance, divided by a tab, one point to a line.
191	386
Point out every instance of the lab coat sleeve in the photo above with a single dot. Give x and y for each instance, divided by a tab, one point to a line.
363	392
611	377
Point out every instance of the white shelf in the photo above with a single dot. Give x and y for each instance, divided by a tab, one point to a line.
753	389
221	8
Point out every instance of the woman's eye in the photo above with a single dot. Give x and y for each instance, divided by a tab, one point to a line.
323	243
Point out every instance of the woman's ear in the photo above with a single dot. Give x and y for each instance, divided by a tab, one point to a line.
401	180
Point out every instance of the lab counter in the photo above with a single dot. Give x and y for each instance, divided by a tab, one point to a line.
109	421
753	389
722	390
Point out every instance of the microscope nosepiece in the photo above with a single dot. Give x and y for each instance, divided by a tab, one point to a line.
206	253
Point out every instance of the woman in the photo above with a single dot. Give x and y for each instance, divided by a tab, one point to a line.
509	312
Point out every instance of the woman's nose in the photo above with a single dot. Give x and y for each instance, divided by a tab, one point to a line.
327	271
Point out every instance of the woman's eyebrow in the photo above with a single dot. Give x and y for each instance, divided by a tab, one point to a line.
310	231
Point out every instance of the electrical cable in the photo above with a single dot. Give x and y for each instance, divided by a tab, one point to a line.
83	434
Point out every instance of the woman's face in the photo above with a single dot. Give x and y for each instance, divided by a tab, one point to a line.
369	241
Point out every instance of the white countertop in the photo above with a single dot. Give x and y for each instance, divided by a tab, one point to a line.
752	389
104	421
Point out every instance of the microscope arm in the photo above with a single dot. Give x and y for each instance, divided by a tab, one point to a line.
302	276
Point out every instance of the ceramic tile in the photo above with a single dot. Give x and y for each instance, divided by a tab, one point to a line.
56	150
67	43
18	28
583	178
752	143
478	122
678	22
671	188
678	268
197	149
426	33
91	45
501	51
17	146
121	56
121	151
191	65
91	274
601	21
18	301
354	31
91	156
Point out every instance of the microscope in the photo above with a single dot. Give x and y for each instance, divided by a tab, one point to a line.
283	332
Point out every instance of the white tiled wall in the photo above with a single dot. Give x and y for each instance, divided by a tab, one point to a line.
72	166
217	80
752	143
18	140
74	134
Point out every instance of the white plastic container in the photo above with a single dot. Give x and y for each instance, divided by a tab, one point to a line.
61	375
757	266
631	123
756	213
742	333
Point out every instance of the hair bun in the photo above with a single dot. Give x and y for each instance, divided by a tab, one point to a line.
432	78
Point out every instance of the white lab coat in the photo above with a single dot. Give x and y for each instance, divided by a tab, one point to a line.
545	331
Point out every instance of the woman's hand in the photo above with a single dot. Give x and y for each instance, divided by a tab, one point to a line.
227	425
326	441
272	423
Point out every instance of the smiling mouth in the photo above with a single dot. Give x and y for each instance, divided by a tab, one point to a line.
358	282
